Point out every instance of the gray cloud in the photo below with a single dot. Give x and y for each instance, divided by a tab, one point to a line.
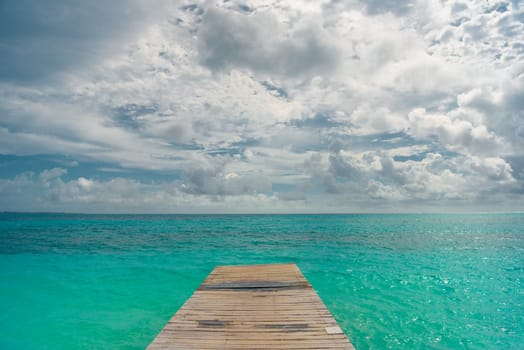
214	179
331	107
39	39
433	177
372	7
399	8
319	121
230	40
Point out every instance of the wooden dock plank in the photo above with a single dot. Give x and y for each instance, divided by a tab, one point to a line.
253	307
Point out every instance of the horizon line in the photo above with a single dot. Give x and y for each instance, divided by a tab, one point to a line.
267	213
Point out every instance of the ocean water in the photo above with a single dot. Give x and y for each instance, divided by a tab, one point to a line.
391	281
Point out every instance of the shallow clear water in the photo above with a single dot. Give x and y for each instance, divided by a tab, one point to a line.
392	281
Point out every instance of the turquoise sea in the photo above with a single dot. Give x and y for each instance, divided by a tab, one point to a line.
392	281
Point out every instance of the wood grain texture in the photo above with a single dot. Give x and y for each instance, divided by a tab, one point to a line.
253	307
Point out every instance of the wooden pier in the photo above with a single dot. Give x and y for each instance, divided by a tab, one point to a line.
253	307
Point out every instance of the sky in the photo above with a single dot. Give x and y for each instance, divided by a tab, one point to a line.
263	106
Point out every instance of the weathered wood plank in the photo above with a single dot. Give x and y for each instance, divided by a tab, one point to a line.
253	307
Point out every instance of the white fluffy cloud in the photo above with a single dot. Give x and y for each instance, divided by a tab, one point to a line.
329	105
455	134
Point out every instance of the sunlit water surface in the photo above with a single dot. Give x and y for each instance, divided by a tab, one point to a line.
391	281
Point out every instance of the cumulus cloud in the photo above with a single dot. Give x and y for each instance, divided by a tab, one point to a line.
49	191
214	178
260	43
376	175
297	106
454	134
374	119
